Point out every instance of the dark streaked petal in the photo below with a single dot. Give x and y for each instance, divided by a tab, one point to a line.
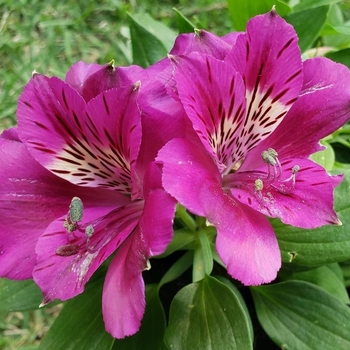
62	277
269	61
30	199
92	145
212	94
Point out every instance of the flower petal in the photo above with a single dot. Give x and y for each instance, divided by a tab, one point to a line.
269	60
110	77
123	292
30	198
61	272
94	148
307	204
203	42
245	240
212	94
322	107
79	73
123	297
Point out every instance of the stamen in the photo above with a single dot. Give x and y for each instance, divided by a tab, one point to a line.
287	186
270	157
67	250
258	184
76	210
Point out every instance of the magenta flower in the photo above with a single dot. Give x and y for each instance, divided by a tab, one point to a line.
258	113
78	184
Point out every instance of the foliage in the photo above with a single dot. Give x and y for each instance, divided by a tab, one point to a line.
304	309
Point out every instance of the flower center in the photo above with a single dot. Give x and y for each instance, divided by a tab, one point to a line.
273	177
275	173
72	226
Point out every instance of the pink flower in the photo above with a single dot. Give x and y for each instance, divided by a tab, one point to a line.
78	184
258	114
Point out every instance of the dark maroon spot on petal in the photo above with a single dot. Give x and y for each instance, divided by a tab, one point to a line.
291	101
28	104
293	76
71	161
105	104
59	171
286	45
44	149
84	170
247	51
42	126
266	95
44	267
67	250
278	96
249	201
78	156
76	119
64	98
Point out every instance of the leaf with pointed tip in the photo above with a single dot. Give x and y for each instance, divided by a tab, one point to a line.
150	39
151	333
80	326
341	56
241	10
326	157
308	24
308	4
319	246
329	277
19	295
183	23
207	315
300	315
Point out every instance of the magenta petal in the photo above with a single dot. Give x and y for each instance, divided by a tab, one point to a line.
269	61
123	298
323	106
213	96
62	276
187	172
307	204
79	73
30	199
110	77
245	241
81	143
203	42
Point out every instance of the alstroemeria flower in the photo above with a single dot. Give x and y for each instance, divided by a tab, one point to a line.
74	189
258	114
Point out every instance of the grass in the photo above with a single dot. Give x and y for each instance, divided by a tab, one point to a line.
50	36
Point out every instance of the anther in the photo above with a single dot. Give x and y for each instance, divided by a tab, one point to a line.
76	210
271	158
67	250
258	184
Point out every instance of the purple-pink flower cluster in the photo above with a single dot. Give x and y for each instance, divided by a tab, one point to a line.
224	126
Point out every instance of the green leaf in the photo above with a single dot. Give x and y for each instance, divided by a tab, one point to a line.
325	158
300	315
241	300
323	245
80	326
328	277
308	4
207	315
183	23
151	333
308	24
203	258
19	295
242	10
345	267
150	39
178	268
341	56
